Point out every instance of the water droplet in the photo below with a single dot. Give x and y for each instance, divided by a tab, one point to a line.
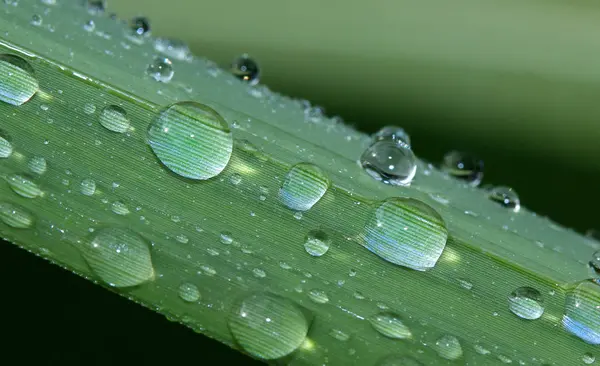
339	335
582	312
235	179
267	326
505	196
226	237
463	166
17	80
481	349
448	347
465	284
15	216
396	360
192	140
87	187
595	262
182	238
259	273
36	20
504	359
37	165
318	296
526	303
173	48
6	148
23	186
389	161
588	358
189	292
119	257
89	26
114	118
96	7
161	69
140	26
89	108
392	133
244	68
304	185
119	208
390	325
406	232
317	243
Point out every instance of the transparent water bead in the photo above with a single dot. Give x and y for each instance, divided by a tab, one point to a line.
318	296
16	216
582	312
246	69
36	20
398	360
505	196
304	185
268	326
189	292
526	303
463	166
87	187
114	118
161	69
18	82
6	148
23	186
390	161
317	243
392	133
588	358
448	347
192	140
390	325
406	232
140	26
119	257
595	261
37	165
173	48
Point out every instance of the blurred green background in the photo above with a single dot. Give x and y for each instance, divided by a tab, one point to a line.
516	82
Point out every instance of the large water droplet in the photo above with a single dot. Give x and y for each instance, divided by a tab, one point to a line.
392	133
448	347
268	326
23	186
582	312
396	360
406	232
317	243
87	187
114	118
161	69
37	165
119	257
505	196
6	148
17	80
245	68
15	216
192	140
304	185
390	325
189	292
526	303
390	161
463	166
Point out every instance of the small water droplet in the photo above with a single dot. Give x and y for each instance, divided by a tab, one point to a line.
119	257
526	302
267	326
448	347
392	133
89	108
582	312
182	238
87	187
23	186
259	273
226	237
389	161
406	232
36	20
114	118
140	26
246	69
189	292
481	349
6	148
119	208
37	165
465	284
192	140
161	69
235	179
89	26
390	325
17	80
318	296
317	243
303	187
463	166
588	358
595	262
397	360
504	359
340	335
15	216
505	196
173	48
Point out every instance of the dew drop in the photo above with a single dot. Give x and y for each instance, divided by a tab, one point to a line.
246	69
17	80
267	326
6	148
189	292
89	108
582	312
448	347
259	273
303	187
89	26
87	187
595	262
192	140
390	161
339	335
481	350
235	179
119	257
317	243
36	20
463	166
161	69
318	296
526	303
390	325
406	232
23	186
226	237
505	196
15	216
173	48
119	208
392	133
588	358
182	238
397	360
140	26
37	165
114	118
